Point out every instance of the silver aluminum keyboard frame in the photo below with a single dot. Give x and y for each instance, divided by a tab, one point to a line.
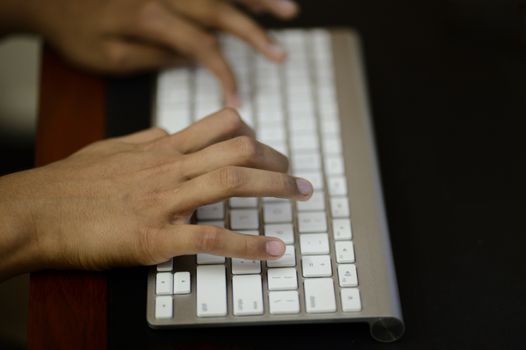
374	261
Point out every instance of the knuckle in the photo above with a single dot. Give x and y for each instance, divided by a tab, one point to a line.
231	119
247	148
230	178
209	240
146	247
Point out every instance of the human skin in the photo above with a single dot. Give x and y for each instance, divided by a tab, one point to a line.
126	201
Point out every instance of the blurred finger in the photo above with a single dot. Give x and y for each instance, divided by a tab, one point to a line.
281	8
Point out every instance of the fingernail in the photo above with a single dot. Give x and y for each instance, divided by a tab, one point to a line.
277	51
287	6
275	247
304	186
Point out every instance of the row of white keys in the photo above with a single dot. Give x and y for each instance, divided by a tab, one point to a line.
277	212
285	232
167	283
247	295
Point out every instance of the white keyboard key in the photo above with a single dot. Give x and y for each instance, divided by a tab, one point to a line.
315	202
247	295
163	307
285	232
208	259
211	291
347	275
351	299
182	282
214	211
245	267
330	126
244	219
271	134
334	165
341	229
319	295
243	202
337	185
332	145
344	252
306	142
315	178
164	283
312	221
287	260
316	266
306	161
303	124
277	212
282	279
314	243
339	207
166	266
284	302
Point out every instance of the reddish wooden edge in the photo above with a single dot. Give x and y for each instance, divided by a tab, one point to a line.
67	310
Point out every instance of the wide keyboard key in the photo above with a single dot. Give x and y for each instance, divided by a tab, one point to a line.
312	221
163	307
314	243
347	275
351	299
282	279
344	252
341	229
243	202
277	212
319	295
244	219
285	232
287	260
316	266
284	302
247	295
204	259
245	266
211	290
306	161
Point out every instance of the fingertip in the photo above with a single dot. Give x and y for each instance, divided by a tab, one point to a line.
286	8
275	248
305	188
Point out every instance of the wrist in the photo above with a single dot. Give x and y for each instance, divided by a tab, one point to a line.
18	241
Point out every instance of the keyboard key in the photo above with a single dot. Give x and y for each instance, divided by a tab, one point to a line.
337	185
214	211
304	142
312	221
341	229
247	295
182	282
284	302
314	243
306	161
163	307
316	266
332	145
319	295
339	207
211	290
163	283
244	219
350	299
277	212
208	259
315	202
166	266
243	202
282	279
245	267
334	165
344	252
347	275
283	231
287	260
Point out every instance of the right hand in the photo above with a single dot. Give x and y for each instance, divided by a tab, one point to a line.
125	201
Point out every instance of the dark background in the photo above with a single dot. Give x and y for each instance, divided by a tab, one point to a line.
447	84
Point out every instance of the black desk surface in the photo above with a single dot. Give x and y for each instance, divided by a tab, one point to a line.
447	83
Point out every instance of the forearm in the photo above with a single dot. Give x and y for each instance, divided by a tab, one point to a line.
18	252
17	16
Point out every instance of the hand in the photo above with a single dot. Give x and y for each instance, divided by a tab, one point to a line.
126	201
120	36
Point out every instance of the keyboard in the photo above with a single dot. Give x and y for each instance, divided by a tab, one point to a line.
338	265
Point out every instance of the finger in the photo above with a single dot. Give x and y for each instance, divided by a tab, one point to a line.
284	9
240	151
125	56
143	136
177	240
181	35
237	182
217	127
